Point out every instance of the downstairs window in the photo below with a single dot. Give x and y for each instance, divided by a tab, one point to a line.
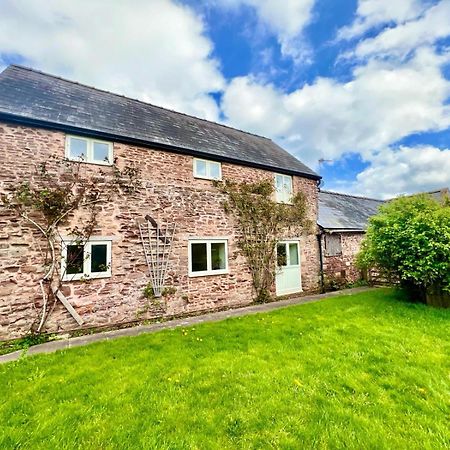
91	260
208	257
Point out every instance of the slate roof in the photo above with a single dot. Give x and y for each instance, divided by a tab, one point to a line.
345	212
40	99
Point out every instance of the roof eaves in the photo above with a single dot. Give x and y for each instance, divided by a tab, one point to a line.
342	230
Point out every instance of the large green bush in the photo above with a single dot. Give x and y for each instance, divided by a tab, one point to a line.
409	239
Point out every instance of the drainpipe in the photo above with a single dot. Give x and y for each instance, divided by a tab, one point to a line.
319	240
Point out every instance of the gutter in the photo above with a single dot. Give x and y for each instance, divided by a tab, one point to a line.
38	123
342	230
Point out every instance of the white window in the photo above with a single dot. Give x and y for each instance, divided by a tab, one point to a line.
208	257
89	150
333	245
91	260
283	188
209	170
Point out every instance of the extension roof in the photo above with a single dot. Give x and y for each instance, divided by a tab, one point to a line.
345	212
35	98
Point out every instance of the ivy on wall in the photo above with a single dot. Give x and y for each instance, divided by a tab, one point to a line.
57	190
262	222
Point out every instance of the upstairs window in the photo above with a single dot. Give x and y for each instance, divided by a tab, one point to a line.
92	260
208	170
89	150
283	188
208	257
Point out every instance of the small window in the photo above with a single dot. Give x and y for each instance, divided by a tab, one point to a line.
333	245
208	257
89	150
209	170
283	188
92	260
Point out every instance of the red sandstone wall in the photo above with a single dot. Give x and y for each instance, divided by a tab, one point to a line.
335	266
169	193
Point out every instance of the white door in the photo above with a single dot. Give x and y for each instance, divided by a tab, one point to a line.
288	275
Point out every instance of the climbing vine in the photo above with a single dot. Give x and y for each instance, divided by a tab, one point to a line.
262	222
58	191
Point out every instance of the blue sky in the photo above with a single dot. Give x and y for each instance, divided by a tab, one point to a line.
363	84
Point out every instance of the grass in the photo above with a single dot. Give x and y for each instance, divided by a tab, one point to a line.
361	371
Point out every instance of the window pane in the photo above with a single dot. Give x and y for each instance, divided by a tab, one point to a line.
293	254
214	169
288	184
77	148
200	168
75	259
279	183
99	261
218	256
101	152
198	257
281	255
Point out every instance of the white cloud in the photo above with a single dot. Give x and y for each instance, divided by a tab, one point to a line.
154	50
382	104
405	170
371	13
286	21
402	39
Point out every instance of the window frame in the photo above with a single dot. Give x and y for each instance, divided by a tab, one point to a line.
87	249
327	236
209	271
208	171
90	150
281	196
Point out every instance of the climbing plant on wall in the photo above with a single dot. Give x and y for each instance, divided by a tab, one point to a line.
262	222
57	192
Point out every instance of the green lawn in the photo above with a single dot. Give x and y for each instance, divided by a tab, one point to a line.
362	371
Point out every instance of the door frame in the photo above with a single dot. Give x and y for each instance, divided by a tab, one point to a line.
299	266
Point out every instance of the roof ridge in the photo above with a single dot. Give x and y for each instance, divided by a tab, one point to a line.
19	66
351	195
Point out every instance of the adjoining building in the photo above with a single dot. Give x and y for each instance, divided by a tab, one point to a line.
343	221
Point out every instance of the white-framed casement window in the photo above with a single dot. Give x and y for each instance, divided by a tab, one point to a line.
89	261
208	170
89	150
208	257
283	188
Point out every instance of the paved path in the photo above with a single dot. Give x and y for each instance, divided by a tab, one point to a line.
62	344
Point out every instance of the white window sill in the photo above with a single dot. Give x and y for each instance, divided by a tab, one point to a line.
200	177
207	273
94	163
87	277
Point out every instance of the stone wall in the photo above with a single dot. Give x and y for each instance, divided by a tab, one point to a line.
169	193
343	265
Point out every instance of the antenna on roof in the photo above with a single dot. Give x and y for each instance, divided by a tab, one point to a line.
322	161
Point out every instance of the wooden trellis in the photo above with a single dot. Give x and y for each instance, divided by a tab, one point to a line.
157	243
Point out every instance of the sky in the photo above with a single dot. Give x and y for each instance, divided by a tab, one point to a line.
361	85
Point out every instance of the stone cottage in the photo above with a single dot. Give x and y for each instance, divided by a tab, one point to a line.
179	157
343	220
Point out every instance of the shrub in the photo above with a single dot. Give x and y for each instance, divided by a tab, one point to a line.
409	239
